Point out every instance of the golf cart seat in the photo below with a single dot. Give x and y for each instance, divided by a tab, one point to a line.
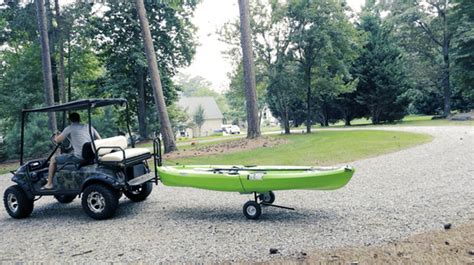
114	150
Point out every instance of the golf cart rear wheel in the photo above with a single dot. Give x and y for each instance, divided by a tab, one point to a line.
267	197
65	198
17	204
139	193
252	210
99	201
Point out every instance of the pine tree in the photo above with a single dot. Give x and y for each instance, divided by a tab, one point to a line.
382	78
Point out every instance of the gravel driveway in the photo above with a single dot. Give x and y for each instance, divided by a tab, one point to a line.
390	197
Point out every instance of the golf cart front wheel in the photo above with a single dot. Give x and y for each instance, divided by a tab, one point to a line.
267	197
252	210
17	203
99	201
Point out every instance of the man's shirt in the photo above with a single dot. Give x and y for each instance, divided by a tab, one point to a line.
79	135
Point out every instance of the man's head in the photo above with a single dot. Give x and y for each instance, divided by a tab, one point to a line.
74	117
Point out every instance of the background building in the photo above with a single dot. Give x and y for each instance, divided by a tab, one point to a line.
213	117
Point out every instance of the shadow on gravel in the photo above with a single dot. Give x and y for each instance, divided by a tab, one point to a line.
233	215
74	212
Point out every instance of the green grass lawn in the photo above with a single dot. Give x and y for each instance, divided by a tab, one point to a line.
410	120
320	148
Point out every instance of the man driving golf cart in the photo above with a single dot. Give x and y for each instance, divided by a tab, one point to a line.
79	135
97	170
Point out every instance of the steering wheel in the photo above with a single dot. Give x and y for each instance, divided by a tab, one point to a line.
65	146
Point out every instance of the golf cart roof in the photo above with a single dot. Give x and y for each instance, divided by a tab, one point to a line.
80	105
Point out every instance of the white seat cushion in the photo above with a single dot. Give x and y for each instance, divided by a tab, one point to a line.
117	141
129	153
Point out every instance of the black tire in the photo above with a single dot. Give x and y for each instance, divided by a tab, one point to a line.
252	210
140	193
65	198
99	201
17	204
267	197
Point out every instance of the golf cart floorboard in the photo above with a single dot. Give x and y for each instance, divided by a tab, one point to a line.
140	180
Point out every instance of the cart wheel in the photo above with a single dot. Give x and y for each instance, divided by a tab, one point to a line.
65	198
139	193
267	197
99	201
17	203
252	210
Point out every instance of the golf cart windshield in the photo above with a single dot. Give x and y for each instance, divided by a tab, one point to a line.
86	105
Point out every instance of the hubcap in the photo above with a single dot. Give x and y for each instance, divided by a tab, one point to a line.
136	191
12	202
266	197
251	210
96	202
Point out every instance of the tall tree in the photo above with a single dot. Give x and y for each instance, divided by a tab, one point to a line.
427	30
166	131
380	70
464	52
119	44
46	62
253	128
324	44
60	40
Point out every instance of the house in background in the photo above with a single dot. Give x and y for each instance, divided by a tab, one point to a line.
213	117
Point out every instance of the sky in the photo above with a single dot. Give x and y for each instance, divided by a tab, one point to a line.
210	15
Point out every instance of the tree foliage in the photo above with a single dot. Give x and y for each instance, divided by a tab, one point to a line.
380	71
199	117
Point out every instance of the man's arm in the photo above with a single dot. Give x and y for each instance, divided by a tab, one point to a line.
60	137
96	134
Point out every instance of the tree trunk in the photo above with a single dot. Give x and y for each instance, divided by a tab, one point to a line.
60	38
141	105
308	100
253	128
166	131
286	121
46	62
446	72
52	49
347	121
69	72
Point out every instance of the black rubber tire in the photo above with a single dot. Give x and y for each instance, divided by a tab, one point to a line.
65	198
24	204
141	194
268	197
252	210
110	201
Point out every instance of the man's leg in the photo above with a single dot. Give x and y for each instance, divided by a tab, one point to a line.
51	171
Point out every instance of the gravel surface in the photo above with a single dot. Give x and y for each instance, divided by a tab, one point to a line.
390	197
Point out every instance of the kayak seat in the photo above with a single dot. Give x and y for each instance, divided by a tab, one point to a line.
114	150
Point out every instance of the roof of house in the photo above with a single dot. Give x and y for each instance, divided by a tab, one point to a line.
191	104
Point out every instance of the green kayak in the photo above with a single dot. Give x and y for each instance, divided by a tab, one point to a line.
258	179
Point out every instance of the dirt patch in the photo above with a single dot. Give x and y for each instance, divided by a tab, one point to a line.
226	147
451	246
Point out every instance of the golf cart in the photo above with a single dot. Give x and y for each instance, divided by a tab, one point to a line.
110	168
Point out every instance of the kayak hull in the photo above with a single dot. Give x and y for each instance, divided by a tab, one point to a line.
247	179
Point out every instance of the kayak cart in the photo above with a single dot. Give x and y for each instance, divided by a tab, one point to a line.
260	181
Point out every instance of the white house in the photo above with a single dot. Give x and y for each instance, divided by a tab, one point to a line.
267	118
212	114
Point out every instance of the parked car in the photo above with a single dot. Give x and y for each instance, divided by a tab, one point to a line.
230	129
